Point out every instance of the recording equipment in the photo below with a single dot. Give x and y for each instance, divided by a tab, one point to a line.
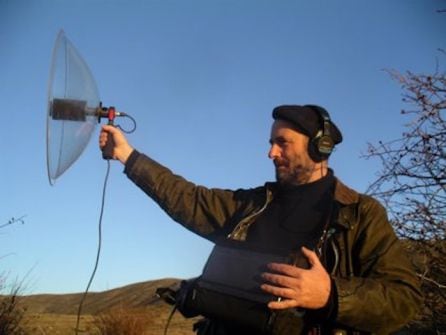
229	288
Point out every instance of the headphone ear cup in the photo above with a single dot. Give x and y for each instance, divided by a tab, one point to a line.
313	150
320	147
325	145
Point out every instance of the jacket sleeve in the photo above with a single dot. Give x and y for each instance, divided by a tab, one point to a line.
207	212
382	294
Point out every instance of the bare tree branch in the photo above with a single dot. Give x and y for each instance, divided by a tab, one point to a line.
412	185
13	221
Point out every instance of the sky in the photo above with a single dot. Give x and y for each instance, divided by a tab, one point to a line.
201	78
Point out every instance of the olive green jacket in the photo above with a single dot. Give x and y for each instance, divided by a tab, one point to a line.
377	290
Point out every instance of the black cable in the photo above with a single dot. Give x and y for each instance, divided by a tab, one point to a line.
79	311
132	129
169	319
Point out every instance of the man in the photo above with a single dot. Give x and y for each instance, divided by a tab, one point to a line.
359	278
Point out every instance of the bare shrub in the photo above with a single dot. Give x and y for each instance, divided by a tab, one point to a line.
122	321
412	185
11	314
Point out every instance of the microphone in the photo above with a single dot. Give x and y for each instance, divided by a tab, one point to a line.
68	110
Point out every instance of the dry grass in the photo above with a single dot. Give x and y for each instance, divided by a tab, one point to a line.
11	313
58	324
129	310
122	321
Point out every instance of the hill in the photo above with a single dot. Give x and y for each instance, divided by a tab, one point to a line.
134	296
54	314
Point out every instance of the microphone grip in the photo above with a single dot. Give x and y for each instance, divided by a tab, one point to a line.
107	150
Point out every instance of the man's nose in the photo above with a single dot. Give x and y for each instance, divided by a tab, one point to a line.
274	151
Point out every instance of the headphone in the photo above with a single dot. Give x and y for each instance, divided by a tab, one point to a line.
322	145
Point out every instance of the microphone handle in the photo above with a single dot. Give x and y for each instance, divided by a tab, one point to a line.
107	150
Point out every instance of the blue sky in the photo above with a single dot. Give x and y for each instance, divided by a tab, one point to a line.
201	78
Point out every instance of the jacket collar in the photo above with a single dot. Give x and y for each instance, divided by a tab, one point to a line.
347	200
344	194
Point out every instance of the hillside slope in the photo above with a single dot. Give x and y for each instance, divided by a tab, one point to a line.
135	295
56	314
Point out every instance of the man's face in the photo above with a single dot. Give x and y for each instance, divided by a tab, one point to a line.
289	152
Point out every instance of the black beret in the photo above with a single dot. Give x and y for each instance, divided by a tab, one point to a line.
307	119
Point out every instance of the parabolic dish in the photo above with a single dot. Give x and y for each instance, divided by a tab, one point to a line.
73	101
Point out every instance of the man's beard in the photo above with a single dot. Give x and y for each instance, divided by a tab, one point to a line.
292	176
